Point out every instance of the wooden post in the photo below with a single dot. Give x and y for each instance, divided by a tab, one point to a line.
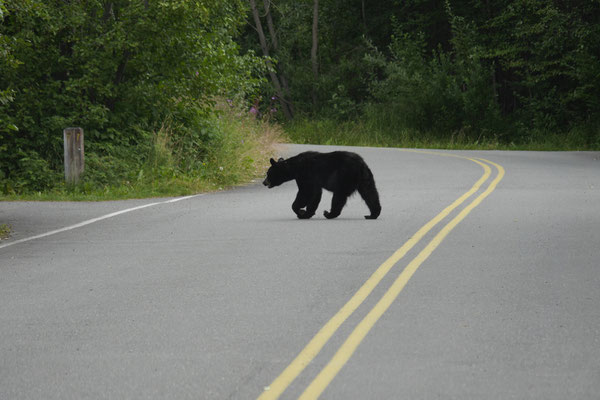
74	162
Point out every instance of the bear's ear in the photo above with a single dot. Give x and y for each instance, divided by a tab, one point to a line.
280	159
273	162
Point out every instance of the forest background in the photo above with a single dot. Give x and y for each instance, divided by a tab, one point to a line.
177	96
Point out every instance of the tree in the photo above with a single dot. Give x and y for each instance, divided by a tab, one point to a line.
501	68
117	68
285	105
545	59
314	49
7	64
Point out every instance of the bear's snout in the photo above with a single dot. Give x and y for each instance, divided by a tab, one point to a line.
267	183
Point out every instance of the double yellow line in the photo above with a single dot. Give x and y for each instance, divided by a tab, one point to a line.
328	373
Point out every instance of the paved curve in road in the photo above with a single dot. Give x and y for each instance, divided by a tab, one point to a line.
228	296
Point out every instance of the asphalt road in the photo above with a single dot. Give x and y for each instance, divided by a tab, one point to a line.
215	296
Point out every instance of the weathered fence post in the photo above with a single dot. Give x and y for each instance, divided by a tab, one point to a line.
74	162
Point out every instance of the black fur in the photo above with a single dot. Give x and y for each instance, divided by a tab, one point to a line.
340	172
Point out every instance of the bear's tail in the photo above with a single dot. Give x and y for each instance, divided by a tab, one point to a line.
368	191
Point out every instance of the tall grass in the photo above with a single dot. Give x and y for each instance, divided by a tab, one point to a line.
236	148
375	127
368	132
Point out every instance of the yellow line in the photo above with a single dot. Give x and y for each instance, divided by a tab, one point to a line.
310	351
344	353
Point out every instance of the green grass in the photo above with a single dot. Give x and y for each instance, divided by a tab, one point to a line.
370	133
238	154
244	146
4	231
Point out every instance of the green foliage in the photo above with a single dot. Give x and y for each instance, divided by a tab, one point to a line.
550	57
141	77
4	231
119	69
7	62
163	166
341	83
374	129
448	92
513	71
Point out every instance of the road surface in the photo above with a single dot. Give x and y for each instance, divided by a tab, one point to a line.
480	279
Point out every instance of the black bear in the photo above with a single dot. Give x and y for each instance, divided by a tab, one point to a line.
340	172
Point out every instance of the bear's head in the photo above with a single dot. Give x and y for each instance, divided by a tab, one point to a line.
277	174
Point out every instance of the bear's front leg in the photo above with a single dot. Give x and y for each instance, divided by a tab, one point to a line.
313	202
304	215
308	197
300	203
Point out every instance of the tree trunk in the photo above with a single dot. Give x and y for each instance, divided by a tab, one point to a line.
313	51
364	16
275	42
272	74
267	4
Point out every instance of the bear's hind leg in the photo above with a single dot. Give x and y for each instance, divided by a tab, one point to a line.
337	203
371	197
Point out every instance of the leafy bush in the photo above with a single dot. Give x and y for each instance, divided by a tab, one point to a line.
515	71
448	92
163	165
119	69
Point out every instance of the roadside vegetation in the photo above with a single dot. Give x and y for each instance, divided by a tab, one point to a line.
370	132
165	166
177	97
509	74
161	90
4	231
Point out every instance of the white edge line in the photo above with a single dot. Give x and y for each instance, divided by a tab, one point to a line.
91	221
